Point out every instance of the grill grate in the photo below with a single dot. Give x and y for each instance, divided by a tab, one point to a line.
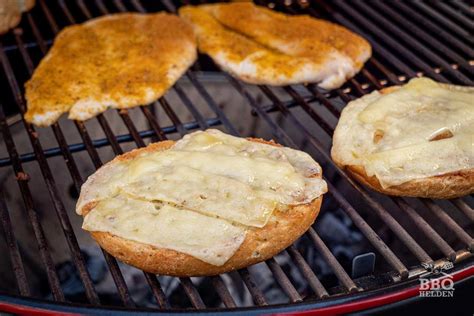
437	46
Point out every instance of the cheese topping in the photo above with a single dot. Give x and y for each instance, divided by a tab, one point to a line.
420	130
215	196
209	178
210	239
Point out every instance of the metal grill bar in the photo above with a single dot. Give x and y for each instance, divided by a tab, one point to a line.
455	29
369	233
283	280
212	104
442	33
184	98
158	293
468	211
427	230
463	7
453	14
111	262
102	142
321	122
305	269
223	292
22	178
372	79
192	293
331	108
449	222
257	295
357	86
328	256
110	136
173	117
388	74
435	43
14	252
414	43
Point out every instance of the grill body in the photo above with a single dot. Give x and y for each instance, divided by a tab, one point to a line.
42	171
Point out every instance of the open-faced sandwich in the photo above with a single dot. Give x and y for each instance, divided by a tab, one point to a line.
206	204
412	140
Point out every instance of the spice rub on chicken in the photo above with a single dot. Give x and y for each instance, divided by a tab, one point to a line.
261	46
119	61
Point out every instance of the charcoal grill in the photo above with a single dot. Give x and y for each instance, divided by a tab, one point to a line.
409	38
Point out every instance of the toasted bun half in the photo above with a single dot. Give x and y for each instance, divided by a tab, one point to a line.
445	186
260	244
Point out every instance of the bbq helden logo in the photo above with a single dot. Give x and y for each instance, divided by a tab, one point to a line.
443	286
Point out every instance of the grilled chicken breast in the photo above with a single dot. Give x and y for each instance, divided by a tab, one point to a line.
118	61
261	46
10	13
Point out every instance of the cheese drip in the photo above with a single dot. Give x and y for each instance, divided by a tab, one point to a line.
420	130
206	177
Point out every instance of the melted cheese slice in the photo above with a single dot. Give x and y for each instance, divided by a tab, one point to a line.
210	174
217	142
419	112
425	128
417	161
216	196
209	239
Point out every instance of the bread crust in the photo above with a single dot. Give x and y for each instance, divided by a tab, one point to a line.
446	186
260	244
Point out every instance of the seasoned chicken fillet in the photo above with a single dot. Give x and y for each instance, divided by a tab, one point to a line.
118	61
261	46
10	13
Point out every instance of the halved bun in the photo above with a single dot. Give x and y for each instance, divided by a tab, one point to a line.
260	244
445	186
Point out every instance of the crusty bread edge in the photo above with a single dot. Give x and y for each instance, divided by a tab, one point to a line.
259	244
446	186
